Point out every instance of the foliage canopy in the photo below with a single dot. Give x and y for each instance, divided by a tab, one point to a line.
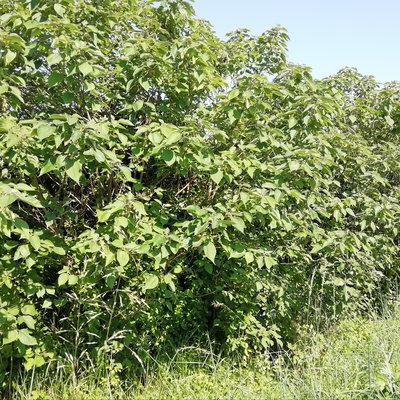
158	185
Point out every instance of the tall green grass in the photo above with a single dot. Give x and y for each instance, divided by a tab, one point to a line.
356	359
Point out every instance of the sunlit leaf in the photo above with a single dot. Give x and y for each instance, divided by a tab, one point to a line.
151	282
10	56
74	170
25	338
210	251
85	68
217	176
122	257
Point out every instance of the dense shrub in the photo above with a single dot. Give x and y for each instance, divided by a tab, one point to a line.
160	186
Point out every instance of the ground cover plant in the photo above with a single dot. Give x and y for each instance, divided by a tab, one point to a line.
357	359
160	187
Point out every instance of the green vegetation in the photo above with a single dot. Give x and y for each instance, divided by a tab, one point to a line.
161	188
358	359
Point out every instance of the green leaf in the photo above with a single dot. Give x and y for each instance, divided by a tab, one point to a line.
363	224
74	171
269	261
217	176
63	279
68	98
122	257
238	223
99	156
10	56
23	251
59	9
72	119
171	132
29	309
7	199
53	59
89	86
139	207
3	89
209	268
292	122
34	202
21	224
145	84
121	221
110	280
168	279
338	281
45	131
59	250
155	138
55	78
233	93
26	339
174	138
27	320
36	361
294	165
249	257
47	304
17	93
210	251
234	115
73	280
85	68
34	240
12	336
138	105
168	156
316	248
389	121
34	3
151	282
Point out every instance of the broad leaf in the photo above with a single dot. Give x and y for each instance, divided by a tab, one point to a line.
151	282
210	251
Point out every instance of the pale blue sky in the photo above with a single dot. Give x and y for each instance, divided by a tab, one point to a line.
325	35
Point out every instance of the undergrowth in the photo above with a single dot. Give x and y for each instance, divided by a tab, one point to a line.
356	359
